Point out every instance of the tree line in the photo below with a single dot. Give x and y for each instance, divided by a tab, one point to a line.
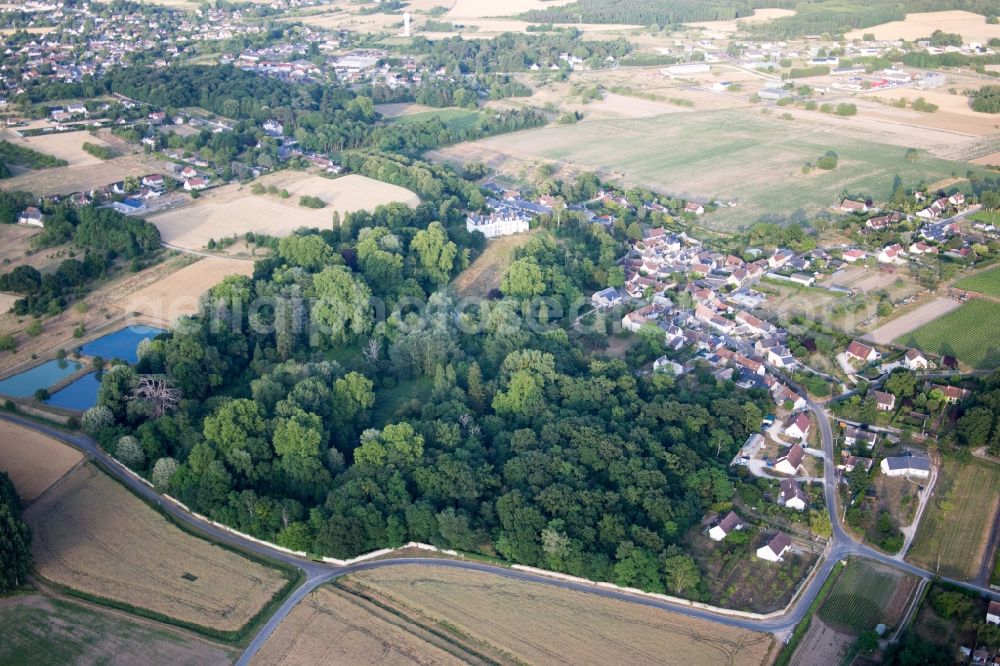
15	539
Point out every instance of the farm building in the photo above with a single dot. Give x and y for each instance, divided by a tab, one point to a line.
730	523
791	495
776	547
906	466
790	462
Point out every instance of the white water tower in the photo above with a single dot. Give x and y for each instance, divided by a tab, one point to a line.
406	24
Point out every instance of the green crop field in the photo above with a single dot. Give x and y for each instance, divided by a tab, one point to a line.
956	524
967	333
860	597
987	282
733	153
453	118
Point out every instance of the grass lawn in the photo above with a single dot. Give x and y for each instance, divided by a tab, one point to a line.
956	525
38	629
987	282
859	597
454	118
968	334
987	216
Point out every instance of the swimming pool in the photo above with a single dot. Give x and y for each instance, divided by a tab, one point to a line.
123	343
24	384
80	395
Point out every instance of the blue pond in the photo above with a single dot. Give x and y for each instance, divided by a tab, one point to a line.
123	343
25	384
80	395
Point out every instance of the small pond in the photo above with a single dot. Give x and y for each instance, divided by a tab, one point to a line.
80	395
123	343
24	384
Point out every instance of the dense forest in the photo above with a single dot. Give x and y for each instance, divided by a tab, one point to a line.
322	118
15	539
319	423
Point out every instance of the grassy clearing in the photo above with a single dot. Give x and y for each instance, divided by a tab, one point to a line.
522	622
968	334
987	282
393	403
860	596
72	633
955	527
454	119
487	270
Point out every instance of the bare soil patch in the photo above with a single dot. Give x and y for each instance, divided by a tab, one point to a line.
93	535
541	624
911	321
64	145
68	632
821	645
232	210
179	293
33	461
7	301
972	27
333	627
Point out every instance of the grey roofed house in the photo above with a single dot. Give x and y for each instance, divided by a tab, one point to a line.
908	462
790	490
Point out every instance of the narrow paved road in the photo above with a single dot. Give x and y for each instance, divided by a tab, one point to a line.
317	573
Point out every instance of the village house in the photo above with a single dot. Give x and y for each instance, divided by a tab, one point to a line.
31	216
664	364
193	184
850	462
724	527
188	172
694	208
921	247
884	402
892	254
909	465
854	435
850	206
862	352
153	180
791	495
850	256
914	359
993	613
798	426
951	394
501	223
791	461
775	548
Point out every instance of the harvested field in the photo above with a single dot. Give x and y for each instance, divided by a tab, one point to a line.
954	113
955	527
968	333
333	627
91	534
73	633
64	145
178	294
487	270
912	320
714	154
232	210
7	301
972	27
759	16
987	282
821	645
486	8
539	624
70	179
991	159
33	461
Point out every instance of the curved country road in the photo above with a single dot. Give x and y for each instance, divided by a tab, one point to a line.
317	573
